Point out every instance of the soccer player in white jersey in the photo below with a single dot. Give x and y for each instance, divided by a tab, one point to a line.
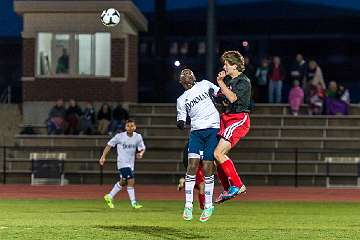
205	122
130	145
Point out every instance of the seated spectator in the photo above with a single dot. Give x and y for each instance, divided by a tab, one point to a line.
56	119
73	114
296	97
104	118
333	104
119	117
316	99
87	120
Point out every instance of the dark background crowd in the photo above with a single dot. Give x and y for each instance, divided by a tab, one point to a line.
300	82
76	120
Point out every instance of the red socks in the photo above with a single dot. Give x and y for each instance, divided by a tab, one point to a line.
201	200
228	169
223	178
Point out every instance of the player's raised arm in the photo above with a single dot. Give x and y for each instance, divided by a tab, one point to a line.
230	95
181	113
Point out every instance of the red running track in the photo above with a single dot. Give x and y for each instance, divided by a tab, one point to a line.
169	192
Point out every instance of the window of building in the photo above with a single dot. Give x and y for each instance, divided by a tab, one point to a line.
73	54
44	54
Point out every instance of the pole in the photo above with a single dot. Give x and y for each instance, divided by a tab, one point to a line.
210	40
296	168
4	165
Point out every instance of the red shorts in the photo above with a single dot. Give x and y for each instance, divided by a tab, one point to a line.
234	126
200	176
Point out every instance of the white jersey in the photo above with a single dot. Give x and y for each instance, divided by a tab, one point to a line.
197	103
126	148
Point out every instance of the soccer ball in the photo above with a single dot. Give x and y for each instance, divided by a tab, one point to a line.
110	17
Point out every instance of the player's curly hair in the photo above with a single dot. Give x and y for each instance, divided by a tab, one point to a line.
187	76
234	57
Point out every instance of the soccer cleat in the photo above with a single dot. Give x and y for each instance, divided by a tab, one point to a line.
187	215
136	205
181	184
108	200
220	198
231	193
206	214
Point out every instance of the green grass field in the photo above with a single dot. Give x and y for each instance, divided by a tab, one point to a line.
78	219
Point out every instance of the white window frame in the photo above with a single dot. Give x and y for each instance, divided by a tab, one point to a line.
73	57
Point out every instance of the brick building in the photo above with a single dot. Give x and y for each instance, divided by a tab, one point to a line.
101	62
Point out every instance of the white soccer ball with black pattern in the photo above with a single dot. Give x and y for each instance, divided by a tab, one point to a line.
110	17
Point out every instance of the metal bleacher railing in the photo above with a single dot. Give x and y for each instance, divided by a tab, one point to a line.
82	162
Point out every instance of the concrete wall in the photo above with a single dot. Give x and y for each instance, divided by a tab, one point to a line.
10	118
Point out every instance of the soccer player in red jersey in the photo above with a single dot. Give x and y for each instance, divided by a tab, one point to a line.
234	121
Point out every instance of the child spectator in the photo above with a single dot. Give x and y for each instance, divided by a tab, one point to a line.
296	98
316	100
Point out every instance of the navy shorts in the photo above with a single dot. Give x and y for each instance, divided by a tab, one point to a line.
203	142
126	173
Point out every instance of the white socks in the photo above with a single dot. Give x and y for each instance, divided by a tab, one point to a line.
117	188
209	190
131	192
189	190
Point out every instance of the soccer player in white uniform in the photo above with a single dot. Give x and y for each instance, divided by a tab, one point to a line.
129	144
205	122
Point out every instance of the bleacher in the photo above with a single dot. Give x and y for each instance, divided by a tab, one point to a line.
279	150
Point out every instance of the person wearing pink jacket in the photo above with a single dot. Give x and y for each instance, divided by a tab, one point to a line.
296	98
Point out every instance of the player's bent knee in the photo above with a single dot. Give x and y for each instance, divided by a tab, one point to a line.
218	155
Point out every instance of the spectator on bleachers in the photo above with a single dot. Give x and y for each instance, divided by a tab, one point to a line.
261	76
56	118
299	70
344	94
104	118
276	77
73	114
87	120
315	75
314	78
316	99
119	117
333	103
296	97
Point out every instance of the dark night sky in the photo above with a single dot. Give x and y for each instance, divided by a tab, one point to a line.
10	23
147	5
